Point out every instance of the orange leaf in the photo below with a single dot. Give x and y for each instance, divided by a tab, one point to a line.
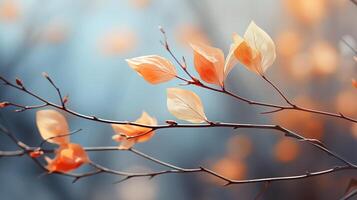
154	69
52	123
143	133
185	105
209	63
256	51
68	157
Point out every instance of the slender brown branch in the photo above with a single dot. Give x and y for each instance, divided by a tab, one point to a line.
278	90
196	82
63	103
98	169
349	195
287	132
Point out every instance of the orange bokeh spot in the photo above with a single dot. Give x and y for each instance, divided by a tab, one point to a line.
306	124
354	130
288	43
230	168
141	4
346	102
309	12
187	34
286	150
9	10
354	83
54	33
239	146
118	42
324	58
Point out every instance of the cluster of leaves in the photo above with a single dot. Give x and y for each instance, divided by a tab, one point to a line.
255	50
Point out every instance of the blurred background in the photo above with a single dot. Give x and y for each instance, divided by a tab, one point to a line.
83	45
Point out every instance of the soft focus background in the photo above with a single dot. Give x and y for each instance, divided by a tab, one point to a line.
83	44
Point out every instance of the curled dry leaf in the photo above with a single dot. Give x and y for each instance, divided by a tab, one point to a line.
68	157
52	124
154	69
256	50
138	134
185	105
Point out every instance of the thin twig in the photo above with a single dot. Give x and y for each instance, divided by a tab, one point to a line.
287	132
173	169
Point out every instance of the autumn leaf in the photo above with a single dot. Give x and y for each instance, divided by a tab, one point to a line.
185	105
256	50
143	133
68	157
52	124
154	69
209	63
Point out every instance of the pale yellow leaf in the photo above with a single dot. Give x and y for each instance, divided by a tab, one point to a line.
261	43
185	105
52	123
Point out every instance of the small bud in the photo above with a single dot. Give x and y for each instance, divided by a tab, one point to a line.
4	104
36	153
44	74
19	82
171	122
65	99
161	29
184	66
117	138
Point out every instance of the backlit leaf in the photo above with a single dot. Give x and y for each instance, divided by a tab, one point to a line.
185	105
154	69
68	157
143	133
52	123
209	63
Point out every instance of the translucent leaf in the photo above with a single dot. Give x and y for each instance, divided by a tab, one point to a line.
185	105
231	59
209	63
154	69
261	43
143	133
52	123
68	157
